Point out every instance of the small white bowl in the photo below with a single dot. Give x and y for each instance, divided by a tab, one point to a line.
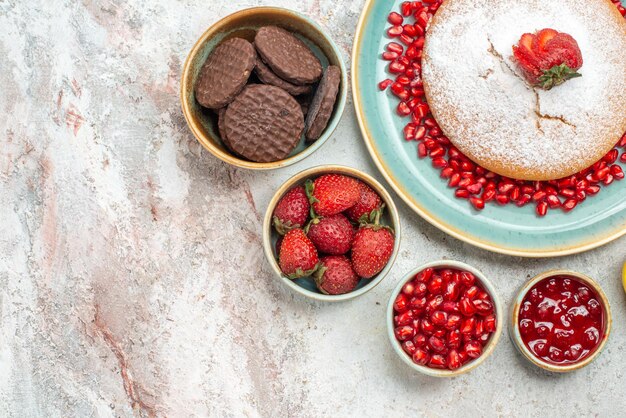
487	350
516	337
306	286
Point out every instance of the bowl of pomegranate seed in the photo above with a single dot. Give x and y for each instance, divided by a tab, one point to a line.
444	318
560	320
263	88
331	233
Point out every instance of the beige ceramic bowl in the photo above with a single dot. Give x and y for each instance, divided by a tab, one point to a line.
514	324
203	122
488	349
306	286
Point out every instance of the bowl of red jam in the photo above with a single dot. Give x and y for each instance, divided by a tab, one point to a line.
444	318
560	320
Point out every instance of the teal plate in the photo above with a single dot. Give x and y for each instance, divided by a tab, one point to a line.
509	229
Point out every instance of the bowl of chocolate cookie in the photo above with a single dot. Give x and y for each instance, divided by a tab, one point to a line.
263	88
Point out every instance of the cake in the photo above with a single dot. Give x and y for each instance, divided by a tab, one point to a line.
482	101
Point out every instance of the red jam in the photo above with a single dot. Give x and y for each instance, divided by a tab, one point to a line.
443	318
561	320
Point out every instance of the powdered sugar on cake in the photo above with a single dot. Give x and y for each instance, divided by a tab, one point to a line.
486	108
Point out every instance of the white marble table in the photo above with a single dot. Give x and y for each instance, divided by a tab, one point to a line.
132	280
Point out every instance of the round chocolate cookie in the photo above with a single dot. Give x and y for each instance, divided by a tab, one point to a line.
323	103
267	76
225	72
264	123
220	127
287	55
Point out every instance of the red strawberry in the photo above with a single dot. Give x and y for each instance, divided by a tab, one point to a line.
331	194
335	275
292	210
298	256
548	58
371	249
368	201
332	234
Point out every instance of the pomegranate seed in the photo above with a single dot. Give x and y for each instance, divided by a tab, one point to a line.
435	286
408	288
405	318
468	326
467	307
622	158
484	307
403	109
477	202
434	302
542	208
453	321
418	303
401	303
404	333
467	278
490	323
409	347
390	56
395	47
462	193
471	292
420	340
553	201
427	327
592	189
502	199
395	18
394	31
424	275
421	356
454	361
473	349
406	9
439	318
608	179
617	172
396	67
384	84
409	30
449	306
437	361
569	204
436	344
420	132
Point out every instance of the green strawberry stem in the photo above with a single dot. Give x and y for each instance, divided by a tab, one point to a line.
303	273
318	277
556	75
308	189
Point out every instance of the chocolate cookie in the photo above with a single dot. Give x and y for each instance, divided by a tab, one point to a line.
225	72
220	126
323	103
267	76
264	123
287	55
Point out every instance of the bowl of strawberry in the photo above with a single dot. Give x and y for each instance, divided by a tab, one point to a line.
331	233
444	318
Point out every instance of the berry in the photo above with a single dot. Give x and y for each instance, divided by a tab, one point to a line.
368	202
548	58
371	250
292	210
331	194
335	275
298	256
331	235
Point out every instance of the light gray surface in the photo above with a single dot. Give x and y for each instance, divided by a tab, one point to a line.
132	279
